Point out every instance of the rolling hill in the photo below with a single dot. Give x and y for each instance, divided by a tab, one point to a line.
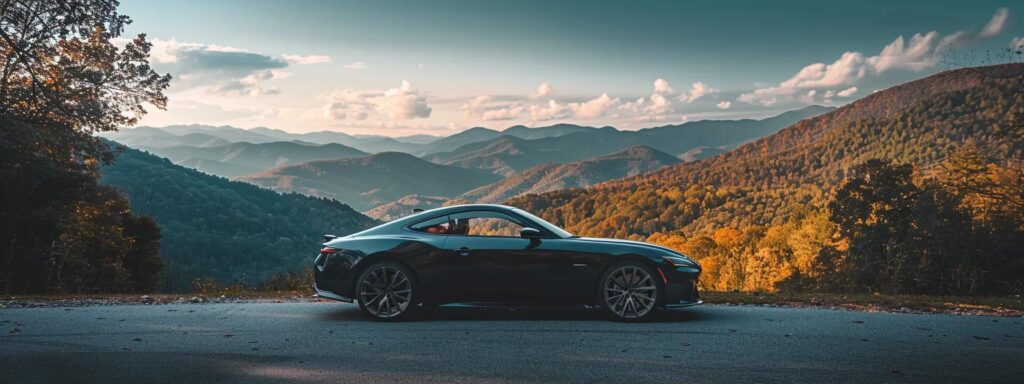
506	154
231	231
765	181
243	158
549	176
371	181
404	206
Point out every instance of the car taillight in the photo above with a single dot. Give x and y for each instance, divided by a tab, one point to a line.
329	250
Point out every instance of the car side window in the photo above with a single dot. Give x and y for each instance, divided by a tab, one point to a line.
485	223
438	225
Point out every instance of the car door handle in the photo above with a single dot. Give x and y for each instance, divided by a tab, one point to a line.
464	251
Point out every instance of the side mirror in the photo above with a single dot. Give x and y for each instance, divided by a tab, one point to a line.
529	233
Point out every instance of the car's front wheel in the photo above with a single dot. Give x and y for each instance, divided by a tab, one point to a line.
387	291
629	291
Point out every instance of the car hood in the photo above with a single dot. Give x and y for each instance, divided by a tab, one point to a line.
634	243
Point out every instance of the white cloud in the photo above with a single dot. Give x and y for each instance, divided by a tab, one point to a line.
222	70
355	65
305	60
511	112
184	57
249	85
724	105
593	108
996	25
847	92
552	110
351	104
475	106
659	105
403	103
915	56
543	90
697	90
481	107
653	108
920	52
830	94
662	87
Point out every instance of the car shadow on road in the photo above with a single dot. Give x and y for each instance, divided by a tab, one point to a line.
352	313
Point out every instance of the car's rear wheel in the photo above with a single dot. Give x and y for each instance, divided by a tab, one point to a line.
387	291
629	291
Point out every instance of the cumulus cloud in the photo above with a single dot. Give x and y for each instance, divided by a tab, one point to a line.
550	111
593	108
697	90
655	107
183	57
543	90
475	105
662	87
481	107
351	104
250	85
355	65
508	113
589	109
305	60
847	92
724	105
997	24
920	52
223	70
402	103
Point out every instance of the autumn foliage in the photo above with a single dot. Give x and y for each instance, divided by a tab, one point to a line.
915	189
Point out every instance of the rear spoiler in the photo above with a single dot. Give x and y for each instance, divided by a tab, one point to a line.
329	238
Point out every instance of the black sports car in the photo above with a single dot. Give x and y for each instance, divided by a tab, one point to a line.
488	255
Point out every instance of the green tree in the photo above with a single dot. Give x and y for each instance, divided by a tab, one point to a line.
62	80
874	210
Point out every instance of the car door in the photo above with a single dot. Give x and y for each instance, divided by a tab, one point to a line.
569	270
505	266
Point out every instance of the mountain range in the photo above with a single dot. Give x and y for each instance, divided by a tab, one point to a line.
767	180
553	176
371	181
508	153
519	159
243	158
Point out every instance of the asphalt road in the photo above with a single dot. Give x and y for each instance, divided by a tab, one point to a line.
333	342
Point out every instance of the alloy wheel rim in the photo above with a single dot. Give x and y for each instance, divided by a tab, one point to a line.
630	292
385	292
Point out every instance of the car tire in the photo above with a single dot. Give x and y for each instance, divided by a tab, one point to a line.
387	291
630	291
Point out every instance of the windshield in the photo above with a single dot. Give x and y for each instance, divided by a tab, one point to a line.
548	226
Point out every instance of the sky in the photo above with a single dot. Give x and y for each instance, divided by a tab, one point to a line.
396	68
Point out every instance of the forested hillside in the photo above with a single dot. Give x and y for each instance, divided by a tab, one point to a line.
231	231
736	210
549	176
516	149
228	160
368	182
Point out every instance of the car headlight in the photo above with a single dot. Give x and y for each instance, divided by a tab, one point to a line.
679	261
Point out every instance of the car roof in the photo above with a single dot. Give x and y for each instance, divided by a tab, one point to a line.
455	209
